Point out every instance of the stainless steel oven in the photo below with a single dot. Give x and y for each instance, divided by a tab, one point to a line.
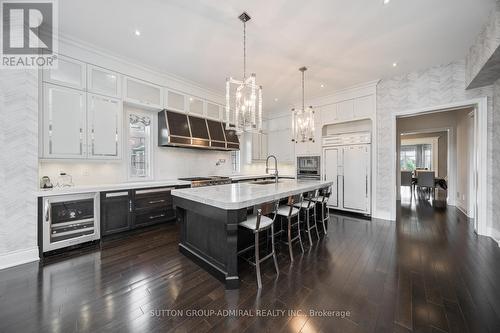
308	167
69	220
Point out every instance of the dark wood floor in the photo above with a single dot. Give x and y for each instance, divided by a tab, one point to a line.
426	273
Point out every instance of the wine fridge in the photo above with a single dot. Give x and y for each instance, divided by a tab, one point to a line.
69	220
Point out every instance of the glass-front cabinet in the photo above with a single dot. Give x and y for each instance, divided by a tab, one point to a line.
139	146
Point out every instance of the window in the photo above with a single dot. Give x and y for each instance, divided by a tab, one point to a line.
139	146
235	161
416	157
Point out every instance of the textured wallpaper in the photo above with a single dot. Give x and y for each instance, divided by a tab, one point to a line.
483	60
19	160
434	86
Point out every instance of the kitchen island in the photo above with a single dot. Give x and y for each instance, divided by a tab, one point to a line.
209	218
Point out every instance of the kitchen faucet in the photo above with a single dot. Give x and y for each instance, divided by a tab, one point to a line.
275	167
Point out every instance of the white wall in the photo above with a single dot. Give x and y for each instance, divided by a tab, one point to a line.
465	149
18	166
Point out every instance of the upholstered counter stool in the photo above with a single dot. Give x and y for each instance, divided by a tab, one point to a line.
308	205
290	212
258	223
322	200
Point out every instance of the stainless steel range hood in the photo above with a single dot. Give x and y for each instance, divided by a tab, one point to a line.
177	129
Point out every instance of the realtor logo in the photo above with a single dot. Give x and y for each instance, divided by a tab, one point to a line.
29	31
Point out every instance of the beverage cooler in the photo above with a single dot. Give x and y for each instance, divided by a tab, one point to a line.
69	220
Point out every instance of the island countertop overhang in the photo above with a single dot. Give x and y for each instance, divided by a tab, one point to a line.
241	195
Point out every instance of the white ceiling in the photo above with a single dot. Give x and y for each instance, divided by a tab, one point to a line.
342	42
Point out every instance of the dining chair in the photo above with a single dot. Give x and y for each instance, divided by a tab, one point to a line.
258	223
425	180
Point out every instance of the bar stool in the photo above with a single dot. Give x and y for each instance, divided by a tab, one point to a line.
307	205
257	223
322	200
289	211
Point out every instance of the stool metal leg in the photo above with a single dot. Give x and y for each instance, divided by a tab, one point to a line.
298	230
308	227
323	219
290	238
274	252
316	221
257	260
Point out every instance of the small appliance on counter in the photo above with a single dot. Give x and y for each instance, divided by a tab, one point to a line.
64	180
45	183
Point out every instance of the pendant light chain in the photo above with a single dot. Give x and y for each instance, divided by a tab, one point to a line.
244	50
303	94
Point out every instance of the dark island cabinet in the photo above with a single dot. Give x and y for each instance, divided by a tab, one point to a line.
115	212
132	209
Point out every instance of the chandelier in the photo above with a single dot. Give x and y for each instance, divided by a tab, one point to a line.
244	97
303	119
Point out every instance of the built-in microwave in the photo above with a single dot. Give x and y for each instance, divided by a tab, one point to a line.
308	167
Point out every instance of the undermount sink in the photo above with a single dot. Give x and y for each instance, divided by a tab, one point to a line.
265	182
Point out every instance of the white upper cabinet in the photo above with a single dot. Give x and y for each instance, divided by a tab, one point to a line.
259	146
175	101
213	111
280	144
345	110
328	113
143	93
364	107
104	127
196	106
69	72
64	122
103	81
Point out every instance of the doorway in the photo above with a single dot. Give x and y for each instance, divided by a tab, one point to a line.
469	196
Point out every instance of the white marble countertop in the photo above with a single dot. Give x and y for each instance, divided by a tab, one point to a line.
244	177
241	195
108	187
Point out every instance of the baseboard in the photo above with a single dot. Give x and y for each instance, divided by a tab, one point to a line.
15	258
463	210
382	215
494	234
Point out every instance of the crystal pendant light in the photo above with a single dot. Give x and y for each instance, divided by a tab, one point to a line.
244	97
303	119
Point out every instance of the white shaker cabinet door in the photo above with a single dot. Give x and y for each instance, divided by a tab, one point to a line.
356	178
330	172
345	110
213	111
64	122
104	127
364	107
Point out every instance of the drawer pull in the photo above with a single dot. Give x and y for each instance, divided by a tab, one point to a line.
156	216
156	201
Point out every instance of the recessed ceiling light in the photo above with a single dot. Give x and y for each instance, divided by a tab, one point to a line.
386	2
394	64
322	85
276	100
137	32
